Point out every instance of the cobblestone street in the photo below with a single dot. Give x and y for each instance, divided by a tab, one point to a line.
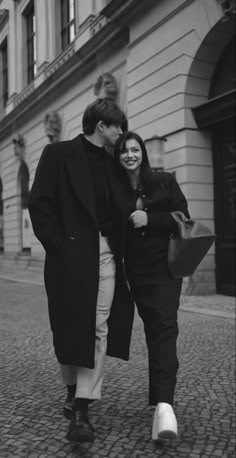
32	394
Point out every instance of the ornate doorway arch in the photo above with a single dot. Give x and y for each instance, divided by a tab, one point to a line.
224	161
218	116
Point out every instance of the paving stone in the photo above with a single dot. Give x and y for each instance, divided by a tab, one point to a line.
32	394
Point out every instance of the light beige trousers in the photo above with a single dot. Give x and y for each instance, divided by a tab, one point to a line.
89	381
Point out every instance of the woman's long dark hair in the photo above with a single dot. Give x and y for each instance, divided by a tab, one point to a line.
146	174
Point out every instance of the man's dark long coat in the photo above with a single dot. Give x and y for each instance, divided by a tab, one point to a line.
63	217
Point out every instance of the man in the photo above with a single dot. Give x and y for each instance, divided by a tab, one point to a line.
79	215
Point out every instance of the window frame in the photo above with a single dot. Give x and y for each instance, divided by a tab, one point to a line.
68	25
4	67
30	27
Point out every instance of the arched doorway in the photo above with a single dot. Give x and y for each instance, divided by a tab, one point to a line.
23	180
1	218
224	161
224	152
218	116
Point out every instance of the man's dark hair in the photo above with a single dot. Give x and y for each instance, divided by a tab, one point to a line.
101	110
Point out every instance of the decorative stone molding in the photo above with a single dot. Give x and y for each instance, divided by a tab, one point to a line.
87	24
52	123
59	61
19	146
18	98
98	23
228	7
106	86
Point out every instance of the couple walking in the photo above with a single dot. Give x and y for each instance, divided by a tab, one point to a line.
104	224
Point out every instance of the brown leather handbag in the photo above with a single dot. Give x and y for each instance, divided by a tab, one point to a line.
188	246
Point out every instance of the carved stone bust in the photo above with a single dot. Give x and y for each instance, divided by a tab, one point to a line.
106	87
52	123
19	146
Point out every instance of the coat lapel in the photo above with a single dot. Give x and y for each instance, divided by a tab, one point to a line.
80	177
119	207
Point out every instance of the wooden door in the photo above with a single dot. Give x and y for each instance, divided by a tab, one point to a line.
224	159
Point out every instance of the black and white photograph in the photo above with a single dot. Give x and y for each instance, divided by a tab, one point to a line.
117	228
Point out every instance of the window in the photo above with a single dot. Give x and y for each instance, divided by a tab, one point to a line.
4	72
23	180
67	22
24	184
31	42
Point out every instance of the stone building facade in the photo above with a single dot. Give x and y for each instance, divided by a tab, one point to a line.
173	61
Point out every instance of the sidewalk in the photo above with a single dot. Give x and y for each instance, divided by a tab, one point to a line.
32	393
215	305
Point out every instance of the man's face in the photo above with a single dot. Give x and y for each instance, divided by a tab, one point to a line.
110	134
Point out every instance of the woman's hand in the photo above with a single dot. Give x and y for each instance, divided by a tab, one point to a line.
139	218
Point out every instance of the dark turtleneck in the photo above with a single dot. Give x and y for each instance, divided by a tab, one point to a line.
97	164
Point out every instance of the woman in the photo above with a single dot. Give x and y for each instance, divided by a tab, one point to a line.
152	197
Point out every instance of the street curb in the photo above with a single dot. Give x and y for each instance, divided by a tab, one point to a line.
182	308
208	312
22	280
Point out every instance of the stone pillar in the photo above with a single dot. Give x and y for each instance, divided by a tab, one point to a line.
99	4
42	38
12	58
52	20
85	10
85	14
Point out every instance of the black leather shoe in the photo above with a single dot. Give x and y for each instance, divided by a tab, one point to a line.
68	406
80	429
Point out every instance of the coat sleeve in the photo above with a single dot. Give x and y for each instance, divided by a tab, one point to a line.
163	220
42	202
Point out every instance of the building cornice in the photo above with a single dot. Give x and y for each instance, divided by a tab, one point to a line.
65	71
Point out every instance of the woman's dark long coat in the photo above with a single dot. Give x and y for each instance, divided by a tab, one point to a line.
63	216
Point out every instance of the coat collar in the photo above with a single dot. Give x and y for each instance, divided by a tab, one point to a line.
79	173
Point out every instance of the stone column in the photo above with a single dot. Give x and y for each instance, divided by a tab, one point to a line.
12	58
53	32
85	16
85	10
42	38
99	4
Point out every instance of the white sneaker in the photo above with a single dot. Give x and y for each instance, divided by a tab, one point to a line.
164	424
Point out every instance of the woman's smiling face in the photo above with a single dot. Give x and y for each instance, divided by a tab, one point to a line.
131	157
